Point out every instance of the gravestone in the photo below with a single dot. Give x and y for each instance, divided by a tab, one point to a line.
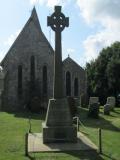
58	126
93	100
111	101
106	109
93	110
93	107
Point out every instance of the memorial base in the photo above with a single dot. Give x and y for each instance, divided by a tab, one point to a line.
58	126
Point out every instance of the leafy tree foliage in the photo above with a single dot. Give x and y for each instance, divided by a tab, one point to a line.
103	74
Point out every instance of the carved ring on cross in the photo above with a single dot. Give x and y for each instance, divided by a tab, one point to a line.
57	21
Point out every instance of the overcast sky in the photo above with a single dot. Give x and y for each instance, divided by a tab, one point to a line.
94	24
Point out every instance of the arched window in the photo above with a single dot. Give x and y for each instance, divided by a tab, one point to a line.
44	86
68	84
32	71
20	79
76	87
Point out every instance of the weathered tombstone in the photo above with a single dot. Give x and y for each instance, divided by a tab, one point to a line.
93	110
111	101
93	107
58	126
93	100
106	109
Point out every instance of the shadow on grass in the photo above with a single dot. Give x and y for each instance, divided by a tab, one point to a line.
101	122
110	158
116	112
89	155
29	115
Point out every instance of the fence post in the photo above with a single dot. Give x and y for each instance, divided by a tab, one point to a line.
100	140
26	144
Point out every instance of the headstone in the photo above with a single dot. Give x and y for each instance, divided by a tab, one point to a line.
58	126
93	110
93	100
93	107
106	109
111	101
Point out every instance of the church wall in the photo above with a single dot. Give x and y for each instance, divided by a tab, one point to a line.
76	72
29	43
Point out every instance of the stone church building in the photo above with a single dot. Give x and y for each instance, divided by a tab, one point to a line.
28	68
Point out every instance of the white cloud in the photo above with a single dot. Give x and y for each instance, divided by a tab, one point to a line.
107	14
49	3
11	39
70	50
94	43
33	2
99	10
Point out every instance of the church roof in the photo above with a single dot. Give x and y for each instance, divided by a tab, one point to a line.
70	60
35	20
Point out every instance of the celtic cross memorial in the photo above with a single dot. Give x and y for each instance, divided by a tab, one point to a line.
58	126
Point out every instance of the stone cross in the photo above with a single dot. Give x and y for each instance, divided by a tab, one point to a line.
57	21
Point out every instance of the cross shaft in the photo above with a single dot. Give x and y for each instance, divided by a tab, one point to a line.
57	21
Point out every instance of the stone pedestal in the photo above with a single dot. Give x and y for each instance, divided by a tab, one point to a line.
58	126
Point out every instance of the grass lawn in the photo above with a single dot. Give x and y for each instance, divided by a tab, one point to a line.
13	127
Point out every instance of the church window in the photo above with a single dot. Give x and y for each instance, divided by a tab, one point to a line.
76	87
44	81
68	84
20	79
32	69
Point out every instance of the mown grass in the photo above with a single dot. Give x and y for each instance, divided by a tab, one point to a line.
110	126
13	127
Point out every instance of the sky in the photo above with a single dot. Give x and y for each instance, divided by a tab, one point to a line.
93	25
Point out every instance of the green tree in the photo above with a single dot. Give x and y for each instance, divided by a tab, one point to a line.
103	74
